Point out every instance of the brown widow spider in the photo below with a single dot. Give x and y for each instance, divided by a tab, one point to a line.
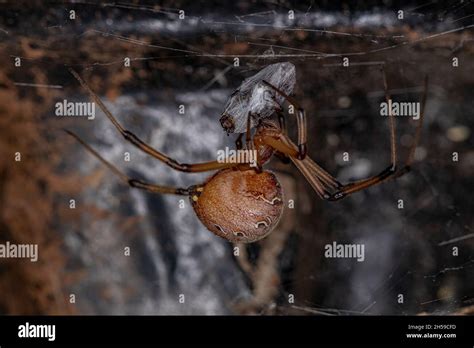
239	202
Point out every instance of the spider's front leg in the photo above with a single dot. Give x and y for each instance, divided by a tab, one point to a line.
391	172
325	184
238	142
133	139
281	121
300	119
250	144
321	181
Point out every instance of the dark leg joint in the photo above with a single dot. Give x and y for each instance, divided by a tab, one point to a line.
184	167
183	192
281	121
402	171
337	196
326	195
129	136
135	183
387	172
180	166
302	150
238	142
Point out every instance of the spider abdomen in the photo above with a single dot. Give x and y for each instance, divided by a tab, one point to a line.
240	206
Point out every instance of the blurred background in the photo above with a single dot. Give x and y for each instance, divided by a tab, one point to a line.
188	58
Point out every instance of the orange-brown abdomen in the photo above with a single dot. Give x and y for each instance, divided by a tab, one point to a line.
240	206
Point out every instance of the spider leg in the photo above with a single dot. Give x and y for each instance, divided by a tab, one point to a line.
416	140
283	144
249	144
238	142
132	138
130	181
321	181
282	123
300	119
325	184
390	172
248	133
393	141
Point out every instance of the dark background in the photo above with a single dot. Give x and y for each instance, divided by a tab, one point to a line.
190	62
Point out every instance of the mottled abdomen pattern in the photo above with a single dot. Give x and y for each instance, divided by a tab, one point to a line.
240	206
